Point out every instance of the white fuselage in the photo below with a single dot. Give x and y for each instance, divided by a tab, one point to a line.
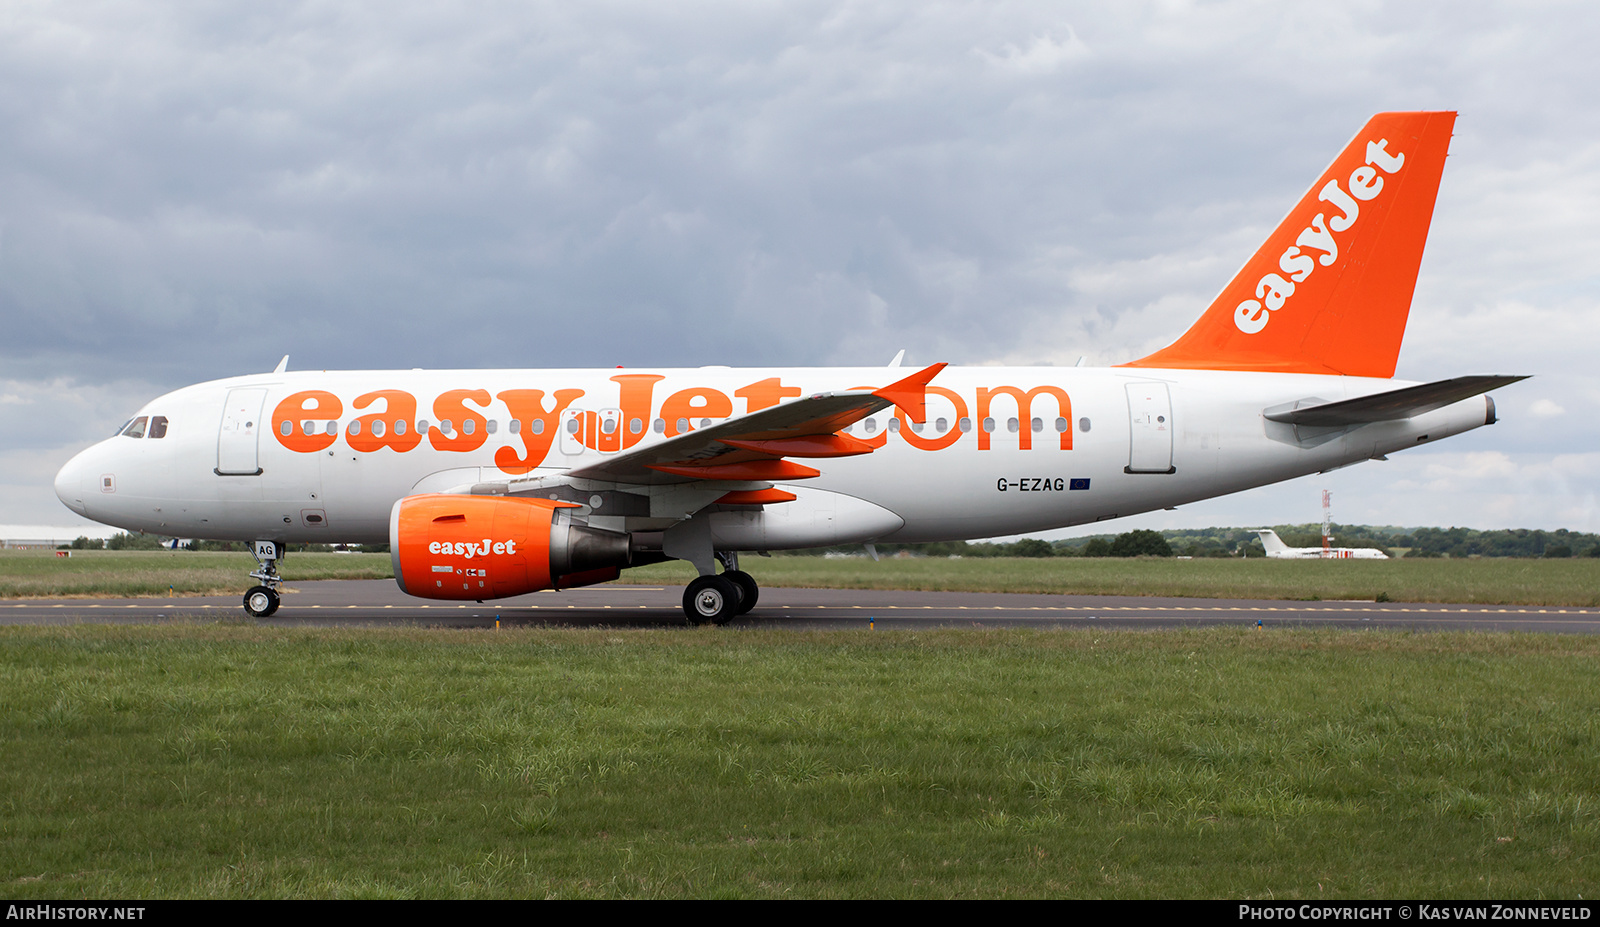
1330	553
1124	441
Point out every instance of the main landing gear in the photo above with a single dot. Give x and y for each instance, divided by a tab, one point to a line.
718	598
261	601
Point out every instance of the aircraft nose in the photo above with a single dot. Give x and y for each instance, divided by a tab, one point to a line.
71	482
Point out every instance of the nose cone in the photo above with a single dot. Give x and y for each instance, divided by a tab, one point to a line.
71	483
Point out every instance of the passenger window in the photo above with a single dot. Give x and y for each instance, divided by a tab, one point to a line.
492	426
940	425
135	428
538	426
158	426
1012	425
516	426
635	425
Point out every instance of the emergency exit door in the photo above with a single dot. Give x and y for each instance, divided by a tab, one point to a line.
1150	430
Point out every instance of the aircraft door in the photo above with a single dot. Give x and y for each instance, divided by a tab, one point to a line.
1150	432
606	430
239	432
571	441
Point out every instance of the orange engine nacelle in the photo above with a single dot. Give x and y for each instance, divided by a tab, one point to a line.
484	547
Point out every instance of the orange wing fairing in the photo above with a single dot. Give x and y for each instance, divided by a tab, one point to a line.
773	496
767	469
832	445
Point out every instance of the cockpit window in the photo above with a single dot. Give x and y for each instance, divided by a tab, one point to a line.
158	426
135	428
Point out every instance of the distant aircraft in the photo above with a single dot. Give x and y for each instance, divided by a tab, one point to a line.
496	483
1278	550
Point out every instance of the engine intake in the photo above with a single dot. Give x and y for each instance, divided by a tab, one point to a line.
478	547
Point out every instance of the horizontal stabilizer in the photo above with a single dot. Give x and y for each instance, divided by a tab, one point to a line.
1393	404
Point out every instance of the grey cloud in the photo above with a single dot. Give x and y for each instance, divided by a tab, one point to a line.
190	192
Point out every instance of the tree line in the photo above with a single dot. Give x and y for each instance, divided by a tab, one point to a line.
1180	542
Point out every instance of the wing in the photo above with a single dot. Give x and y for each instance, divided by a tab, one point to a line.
756	447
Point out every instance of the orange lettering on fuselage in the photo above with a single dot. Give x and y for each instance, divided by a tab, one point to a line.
537	427
1024	403
451	407
309	405
943	441
694	403
636	396
395	426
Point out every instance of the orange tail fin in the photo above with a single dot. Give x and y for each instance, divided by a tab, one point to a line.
1330	290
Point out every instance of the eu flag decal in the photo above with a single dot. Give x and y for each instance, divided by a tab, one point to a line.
1079	483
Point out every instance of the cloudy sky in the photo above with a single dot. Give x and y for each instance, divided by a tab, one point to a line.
190	191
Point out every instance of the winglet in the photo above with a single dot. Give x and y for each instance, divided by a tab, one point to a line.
911	394
282	365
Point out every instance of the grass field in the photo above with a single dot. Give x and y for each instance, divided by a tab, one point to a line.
1571	582
235	760
41	574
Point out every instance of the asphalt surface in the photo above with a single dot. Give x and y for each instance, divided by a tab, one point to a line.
334	603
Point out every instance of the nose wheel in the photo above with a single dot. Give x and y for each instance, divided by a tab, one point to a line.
261	601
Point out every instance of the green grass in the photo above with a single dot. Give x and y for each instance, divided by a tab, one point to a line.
1485	581
1570	582
41	574
235	760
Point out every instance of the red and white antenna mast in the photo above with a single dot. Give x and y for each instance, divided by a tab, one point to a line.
1327	523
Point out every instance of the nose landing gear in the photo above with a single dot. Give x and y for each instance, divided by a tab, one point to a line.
261	601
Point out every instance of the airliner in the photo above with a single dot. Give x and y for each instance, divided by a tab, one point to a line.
1277	550
488	484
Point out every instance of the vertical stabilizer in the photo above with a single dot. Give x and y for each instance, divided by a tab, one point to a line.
1330	290
1271	541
